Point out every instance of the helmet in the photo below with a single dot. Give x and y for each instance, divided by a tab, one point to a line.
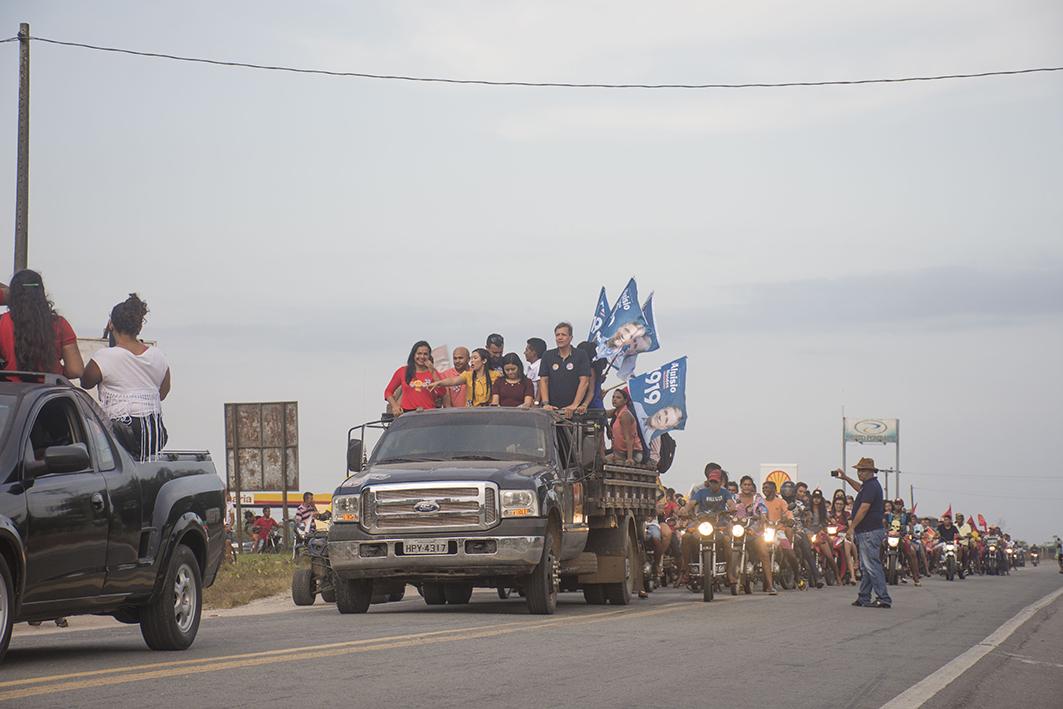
787	488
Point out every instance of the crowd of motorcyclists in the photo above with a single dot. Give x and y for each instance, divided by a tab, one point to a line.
727	535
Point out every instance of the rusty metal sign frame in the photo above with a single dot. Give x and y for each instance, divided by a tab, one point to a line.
261	453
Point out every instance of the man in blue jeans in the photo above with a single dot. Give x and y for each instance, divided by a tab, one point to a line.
868	533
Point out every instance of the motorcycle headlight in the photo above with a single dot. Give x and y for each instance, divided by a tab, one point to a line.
832	531
1011	551
992	548
950	547
769	535
345	508
705	529
519	503
738	530
893	541
812	537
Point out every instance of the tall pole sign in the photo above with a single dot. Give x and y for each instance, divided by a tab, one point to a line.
22	181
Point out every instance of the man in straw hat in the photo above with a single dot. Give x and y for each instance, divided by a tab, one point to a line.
868	533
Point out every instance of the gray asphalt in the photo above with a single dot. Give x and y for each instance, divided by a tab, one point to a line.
801	649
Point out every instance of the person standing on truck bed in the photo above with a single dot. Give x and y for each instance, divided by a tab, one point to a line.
456	395
133	380
478	380
33	337
495	345
533	355
409	388
514	389
564	373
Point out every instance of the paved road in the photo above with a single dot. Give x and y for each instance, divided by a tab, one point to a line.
805	649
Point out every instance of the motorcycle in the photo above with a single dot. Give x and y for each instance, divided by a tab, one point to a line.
709	573
740	561
948	561
892	547
313	570
1034	557
991	562
774	537
822	567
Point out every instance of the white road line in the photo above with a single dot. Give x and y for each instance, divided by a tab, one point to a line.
918	694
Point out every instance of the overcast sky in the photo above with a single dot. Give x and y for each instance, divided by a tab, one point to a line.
893	249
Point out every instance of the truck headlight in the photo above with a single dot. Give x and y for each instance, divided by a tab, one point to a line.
769	535
738	530
519	503
893	541
705	529
345	508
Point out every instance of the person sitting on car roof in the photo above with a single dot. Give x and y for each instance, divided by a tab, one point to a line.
33	337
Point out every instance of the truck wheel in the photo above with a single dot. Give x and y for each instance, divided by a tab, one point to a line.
543	582
457	594
708	569
353	595
303	587
619	594
503	592
7	603
171	621
397	596
594	594
433	594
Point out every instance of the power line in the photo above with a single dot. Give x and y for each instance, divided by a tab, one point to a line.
997	476
543	84
966	493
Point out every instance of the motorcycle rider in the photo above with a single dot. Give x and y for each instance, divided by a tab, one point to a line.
907	547
966	534
797	505
948	533
779	514
1059	552
711	499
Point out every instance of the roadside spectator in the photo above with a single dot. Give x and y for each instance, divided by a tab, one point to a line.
495	345
599	367
456	396
261	530
307	511
564	374
409	388
867	525
133	381
514	388
33	337
479	379
627	447
533	355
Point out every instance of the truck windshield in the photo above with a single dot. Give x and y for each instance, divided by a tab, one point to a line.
462	437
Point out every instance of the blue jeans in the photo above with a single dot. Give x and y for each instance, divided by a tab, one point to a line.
869	545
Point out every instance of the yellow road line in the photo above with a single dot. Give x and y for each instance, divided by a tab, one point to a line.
125	675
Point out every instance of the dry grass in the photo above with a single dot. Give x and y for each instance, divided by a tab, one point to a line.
252	576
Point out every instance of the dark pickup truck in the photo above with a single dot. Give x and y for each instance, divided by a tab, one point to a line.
86	530
498	498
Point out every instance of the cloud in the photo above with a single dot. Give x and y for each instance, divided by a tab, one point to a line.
941	298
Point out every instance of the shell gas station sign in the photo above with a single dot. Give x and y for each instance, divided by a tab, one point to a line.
778	473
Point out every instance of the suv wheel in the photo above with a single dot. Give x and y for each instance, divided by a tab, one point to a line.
353	595
542	584
171	621
433	593
7	606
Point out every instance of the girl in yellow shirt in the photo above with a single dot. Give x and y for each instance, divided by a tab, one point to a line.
478	379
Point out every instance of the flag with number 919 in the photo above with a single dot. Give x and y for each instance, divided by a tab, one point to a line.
659	399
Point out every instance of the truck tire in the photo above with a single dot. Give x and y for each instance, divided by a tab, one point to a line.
397	595
620	593
542	585
433	594
171	621
503	592
7	606
594	594
708	571
353	595
303	587
457	594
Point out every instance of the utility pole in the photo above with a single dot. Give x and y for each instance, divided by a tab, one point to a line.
22	181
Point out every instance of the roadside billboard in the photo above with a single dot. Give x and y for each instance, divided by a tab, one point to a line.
870	430
778	473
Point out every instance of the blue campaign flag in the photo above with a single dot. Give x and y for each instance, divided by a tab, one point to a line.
601	316
626	329
646	343
659	399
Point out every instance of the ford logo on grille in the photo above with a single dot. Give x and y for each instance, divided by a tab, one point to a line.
426	506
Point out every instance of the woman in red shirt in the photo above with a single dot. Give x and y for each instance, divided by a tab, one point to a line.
33	337
408	388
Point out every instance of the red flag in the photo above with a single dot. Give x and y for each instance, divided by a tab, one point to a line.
981	521
948	512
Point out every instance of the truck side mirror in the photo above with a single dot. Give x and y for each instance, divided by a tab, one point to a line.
66	459
354	455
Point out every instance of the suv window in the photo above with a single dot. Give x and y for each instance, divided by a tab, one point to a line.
56	424
101	442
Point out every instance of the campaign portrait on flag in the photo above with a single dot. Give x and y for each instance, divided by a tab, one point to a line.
627	328
648	343
659	399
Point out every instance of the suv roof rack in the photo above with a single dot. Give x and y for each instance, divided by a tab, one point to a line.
35	378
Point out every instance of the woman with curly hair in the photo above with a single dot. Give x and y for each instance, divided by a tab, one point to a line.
33	337
133	380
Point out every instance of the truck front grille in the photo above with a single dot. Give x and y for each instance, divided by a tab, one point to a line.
426	507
